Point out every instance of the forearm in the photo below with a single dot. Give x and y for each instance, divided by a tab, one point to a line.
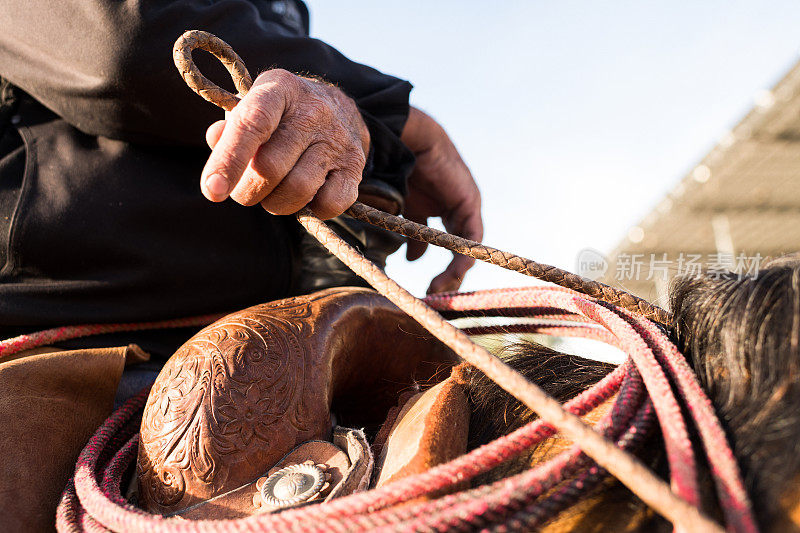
106	67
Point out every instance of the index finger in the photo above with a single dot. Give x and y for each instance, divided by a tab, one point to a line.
250	124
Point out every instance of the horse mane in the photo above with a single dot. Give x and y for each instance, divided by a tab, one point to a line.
494	412
742	336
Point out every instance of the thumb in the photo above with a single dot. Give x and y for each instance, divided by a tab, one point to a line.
450	280
415	249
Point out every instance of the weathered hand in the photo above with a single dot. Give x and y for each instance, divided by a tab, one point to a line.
291	141
441	185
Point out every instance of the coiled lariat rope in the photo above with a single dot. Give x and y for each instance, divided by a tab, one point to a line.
21	343
516	502
93	501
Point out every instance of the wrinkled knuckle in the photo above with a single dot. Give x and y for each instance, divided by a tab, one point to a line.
339	147
267	167
254	120
229	161
321	161
304	189
341	199
310	118
249	191
317	157
349	195
253	193
276	207
303	123
353	172
288	136
358	159
354	162
295	90
338	134
279	75
323	209
320	110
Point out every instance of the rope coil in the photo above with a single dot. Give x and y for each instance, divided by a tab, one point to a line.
95	495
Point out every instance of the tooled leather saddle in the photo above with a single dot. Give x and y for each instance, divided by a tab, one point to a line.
252	413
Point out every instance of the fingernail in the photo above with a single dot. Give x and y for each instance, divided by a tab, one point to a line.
217	185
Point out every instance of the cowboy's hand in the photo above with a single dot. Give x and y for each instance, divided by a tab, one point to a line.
290	142
441	185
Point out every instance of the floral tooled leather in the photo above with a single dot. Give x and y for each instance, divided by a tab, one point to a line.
247	389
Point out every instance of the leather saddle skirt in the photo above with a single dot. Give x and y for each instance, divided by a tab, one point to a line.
246	391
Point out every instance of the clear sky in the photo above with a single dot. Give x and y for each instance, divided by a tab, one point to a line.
575	117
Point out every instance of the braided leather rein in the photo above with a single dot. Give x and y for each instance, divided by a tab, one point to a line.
509	261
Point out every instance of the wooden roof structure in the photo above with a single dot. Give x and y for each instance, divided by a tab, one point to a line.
739	204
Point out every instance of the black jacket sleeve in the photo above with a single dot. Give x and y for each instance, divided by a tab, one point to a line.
105	66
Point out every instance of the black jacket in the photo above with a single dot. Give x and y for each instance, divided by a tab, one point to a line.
101	147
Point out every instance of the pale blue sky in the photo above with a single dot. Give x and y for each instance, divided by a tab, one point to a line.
562	109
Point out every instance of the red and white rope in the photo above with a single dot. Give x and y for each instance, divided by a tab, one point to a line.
94	500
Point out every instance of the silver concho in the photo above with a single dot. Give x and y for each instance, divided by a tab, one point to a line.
292	485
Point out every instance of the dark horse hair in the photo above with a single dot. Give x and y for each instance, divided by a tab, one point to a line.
495	412
741	334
